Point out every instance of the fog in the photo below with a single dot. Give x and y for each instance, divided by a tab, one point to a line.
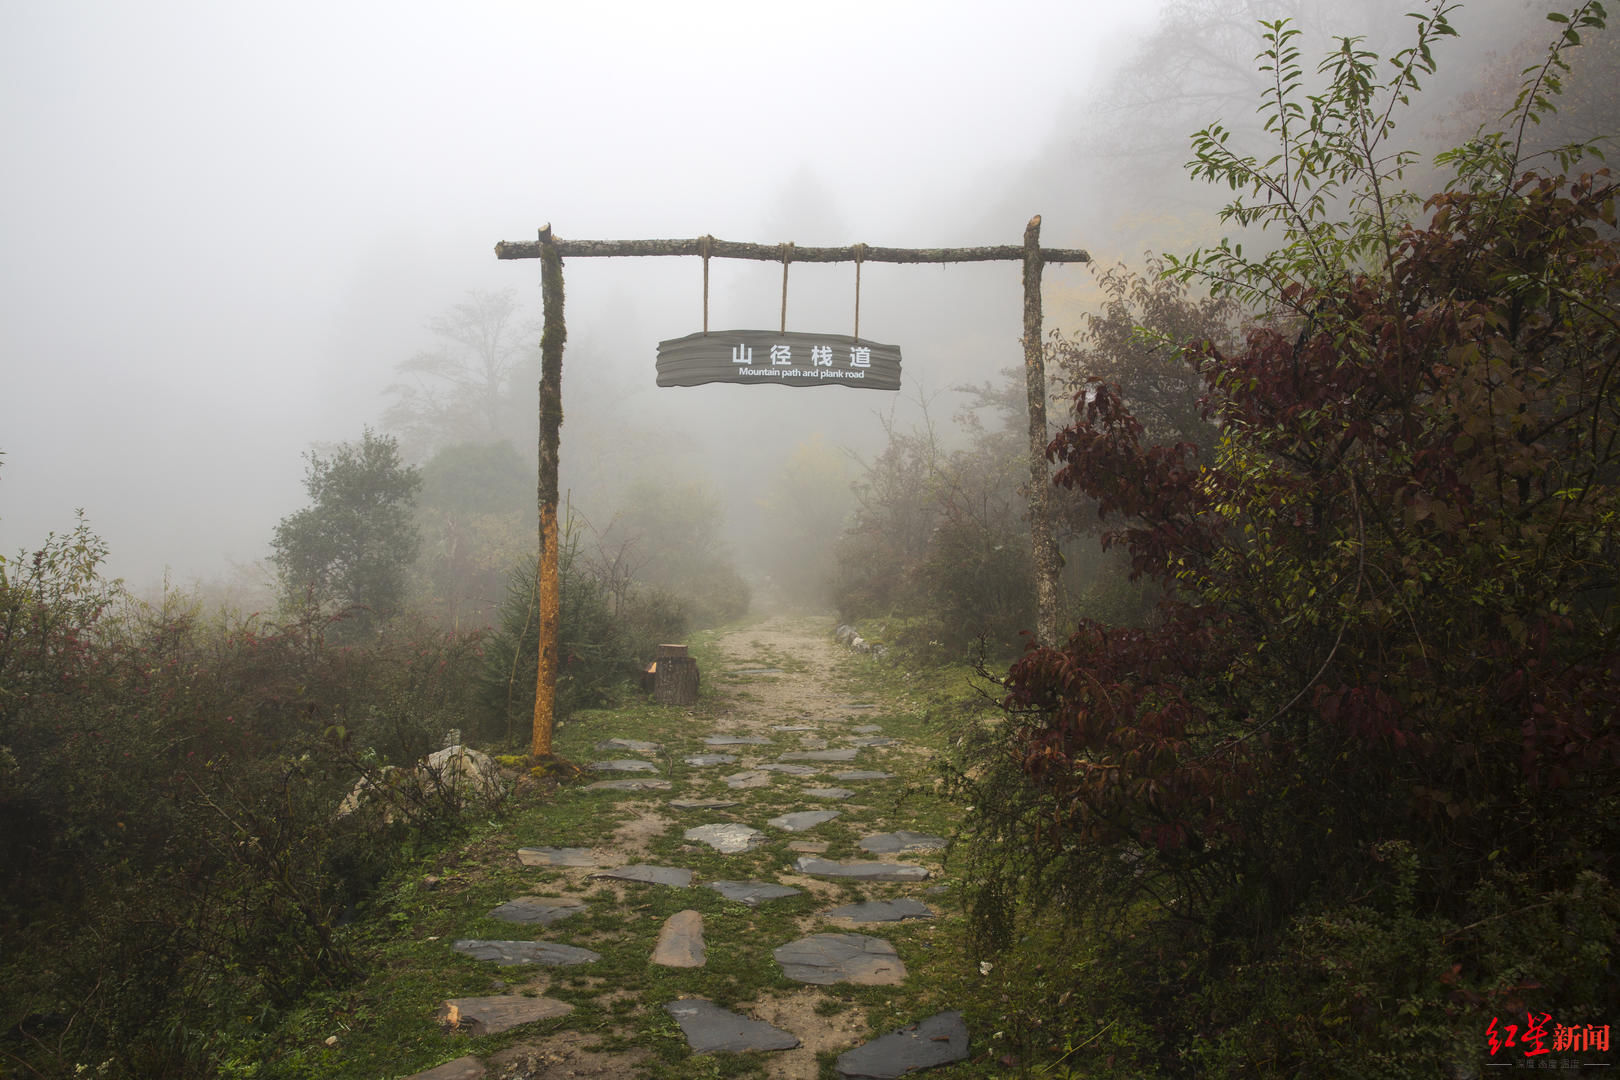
225	227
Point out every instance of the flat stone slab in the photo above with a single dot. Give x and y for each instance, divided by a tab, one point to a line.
729	838
702	760
709	1028
810	743
938	1040
538	910
651	875
646	784
626	765
790	770
861	871
755	671
802	820
828	792
820	755
556	856
871	740
752	893
493	1015
736	740
702	804
891	843
680	941
794	727
508	953
463	1068
824	959
635	746
863	774
866	729
881	911
752	778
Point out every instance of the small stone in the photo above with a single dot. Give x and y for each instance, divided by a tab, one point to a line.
828	792
881	911
646	784
824	959
635	746
729	838
802	820
863	871
863	774
492	1015
794	727
866	729
680	941
809	743
809	847
673	876
554	856
752	778
537	910
751	893
736	740
702	760
624	766
463	1068
789	770
508	953
901	840
702	804
821	755
938	1040
709	1028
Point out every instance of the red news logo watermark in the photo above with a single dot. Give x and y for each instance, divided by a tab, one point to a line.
1539	1035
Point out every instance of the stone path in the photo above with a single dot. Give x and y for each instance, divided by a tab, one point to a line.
796	757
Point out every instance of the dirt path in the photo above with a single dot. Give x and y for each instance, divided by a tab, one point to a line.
815	747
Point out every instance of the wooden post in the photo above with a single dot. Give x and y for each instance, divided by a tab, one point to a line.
1041	532
676	680
552	337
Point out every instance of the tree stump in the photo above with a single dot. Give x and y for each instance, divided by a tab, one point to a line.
675	676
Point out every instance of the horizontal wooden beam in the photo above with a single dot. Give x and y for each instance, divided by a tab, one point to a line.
731	249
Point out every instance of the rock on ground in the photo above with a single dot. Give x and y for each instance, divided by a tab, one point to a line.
824	959
501	1012
680	941
708	1028
938	1040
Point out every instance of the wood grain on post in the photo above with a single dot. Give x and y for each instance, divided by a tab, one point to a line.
676	682
1041	534
552	337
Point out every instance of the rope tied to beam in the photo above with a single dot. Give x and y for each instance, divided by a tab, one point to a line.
705	246
787	255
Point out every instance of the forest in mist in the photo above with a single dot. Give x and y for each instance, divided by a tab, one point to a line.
1319	775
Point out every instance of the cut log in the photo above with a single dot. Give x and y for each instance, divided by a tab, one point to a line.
676	681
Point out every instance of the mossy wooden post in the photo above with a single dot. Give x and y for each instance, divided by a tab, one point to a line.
551	352
1041	533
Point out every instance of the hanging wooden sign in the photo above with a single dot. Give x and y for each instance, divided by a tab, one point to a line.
786	359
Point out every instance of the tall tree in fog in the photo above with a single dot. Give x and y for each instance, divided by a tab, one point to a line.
472	386
350	548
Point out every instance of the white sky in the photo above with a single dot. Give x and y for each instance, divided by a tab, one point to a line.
223	223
